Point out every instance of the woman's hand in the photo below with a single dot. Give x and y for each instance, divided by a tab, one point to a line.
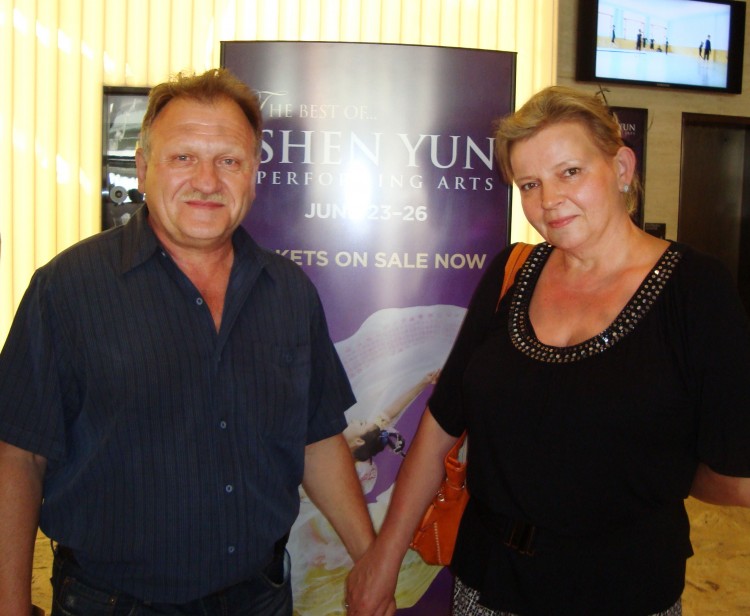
371	585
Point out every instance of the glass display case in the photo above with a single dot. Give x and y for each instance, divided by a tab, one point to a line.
123	110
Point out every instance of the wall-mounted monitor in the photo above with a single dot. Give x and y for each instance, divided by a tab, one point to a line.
689	44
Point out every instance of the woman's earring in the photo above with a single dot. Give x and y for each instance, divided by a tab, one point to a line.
626	188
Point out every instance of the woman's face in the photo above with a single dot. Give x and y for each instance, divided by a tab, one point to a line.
570	191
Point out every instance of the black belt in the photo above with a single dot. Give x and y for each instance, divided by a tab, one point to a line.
518	535
274	568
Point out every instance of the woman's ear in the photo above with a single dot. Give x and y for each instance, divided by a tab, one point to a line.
625	166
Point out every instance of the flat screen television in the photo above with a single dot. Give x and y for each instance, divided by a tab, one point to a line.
689	44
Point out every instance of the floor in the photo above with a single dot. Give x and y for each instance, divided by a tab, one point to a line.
718	577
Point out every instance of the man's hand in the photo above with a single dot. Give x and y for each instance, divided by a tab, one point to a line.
371	585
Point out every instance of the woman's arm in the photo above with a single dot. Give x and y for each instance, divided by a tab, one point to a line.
711	487
372	582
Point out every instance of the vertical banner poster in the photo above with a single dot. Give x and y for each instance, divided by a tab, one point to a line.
634	124
378	178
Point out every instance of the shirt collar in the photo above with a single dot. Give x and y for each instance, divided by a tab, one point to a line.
139	243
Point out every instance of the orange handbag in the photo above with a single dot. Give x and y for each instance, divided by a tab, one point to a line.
435	536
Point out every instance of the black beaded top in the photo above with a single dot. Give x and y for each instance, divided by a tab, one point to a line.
522	334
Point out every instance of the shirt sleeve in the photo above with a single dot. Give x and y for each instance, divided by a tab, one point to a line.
330	392
31	399
718	339
446	402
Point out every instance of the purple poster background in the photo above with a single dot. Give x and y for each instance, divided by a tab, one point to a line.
378	177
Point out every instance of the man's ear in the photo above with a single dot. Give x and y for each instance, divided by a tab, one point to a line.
141	165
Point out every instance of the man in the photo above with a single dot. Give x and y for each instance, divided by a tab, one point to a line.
707	48
167	385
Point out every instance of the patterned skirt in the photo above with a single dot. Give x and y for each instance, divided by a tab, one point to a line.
466	603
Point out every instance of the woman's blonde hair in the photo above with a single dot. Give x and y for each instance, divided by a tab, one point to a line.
557	104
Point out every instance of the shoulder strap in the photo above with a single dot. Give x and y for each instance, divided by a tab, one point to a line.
516	259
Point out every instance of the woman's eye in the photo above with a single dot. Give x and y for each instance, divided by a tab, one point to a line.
572	171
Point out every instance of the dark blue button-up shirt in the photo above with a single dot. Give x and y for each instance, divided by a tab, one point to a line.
174	452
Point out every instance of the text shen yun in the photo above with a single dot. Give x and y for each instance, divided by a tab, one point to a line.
385	260
310	147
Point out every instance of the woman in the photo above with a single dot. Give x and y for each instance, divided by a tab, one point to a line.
609	384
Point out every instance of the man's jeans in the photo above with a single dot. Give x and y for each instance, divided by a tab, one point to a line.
75	595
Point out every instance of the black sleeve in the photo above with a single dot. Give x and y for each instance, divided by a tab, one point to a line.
446	401
718	338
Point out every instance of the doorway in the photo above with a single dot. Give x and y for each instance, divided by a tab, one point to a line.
714	214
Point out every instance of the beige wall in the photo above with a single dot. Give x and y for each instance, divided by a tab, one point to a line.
665	107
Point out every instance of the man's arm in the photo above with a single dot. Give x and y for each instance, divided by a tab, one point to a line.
331	482
716	489
373	580
21	478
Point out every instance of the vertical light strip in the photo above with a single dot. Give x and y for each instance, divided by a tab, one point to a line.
180	43
69	227
450	18
203	35
22	253
469	24
390	21
370	23
114	30
92	71
351	21
160	33
310	20
45	132
330	14
140	35
411	22
431	18
7	303
57	55
488	14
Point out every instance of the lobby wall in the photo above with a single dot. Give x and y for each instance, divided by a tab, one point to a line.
665	109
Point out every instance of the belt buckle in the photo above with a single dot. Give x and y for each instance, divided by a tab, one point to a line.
520	537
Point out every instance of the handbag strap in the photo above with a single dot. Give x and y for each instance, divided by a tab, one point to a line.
516	259
518	255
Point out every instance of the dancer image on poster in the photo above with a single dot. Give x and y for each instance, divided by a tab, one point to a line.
638	40
700	50
707	48
392	360
368	437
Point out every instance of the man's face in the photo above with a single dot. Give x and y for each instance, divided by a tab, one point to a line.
199	179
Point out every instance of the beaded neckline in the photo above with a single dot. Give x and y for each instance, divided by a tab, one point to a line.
519	326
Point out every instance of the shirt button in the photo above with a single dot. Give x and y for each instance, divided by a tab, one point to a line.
229	488
230	549
223	425
199	301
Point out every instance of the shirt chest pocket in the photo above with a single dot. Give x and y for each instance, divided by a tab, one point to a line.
274	386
